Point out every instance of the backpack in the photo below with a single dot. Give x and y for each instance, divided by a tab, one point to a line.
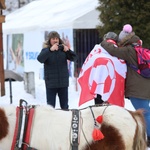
143	58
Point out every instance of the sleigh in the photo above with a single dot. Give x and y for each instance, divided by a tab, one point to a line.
98	127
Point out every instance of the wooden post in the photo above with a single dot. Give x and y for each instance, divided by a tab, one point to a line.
2	88
2	19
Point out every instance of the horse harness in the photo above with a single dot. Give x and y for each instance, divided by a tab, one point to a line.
24	119
75	124
75	129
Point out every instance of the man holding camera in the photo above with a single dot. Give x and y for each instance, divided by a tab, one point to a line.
54	56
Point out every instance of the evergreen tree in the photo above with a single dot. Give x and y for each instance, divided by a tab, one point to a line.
116	13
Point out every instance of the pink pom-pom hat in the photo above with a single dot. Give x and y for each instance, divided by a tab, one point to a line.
127	28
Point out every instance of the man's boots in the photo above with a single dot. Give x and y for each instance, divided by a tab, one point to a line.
98	99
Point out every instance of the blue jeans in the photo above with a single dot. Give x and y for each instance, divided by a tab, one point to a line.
145	104
62	94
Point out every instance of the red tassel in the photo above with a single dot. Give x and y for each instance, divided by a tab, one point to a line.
97	135
99	119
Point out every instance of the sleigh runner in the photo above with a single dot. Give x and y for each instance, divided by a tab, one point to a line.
96	127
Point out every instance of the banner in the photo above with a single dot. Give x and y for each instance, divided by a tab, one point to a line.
102	74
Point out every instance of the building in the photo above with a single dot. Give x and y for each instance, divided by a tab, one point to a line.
27	29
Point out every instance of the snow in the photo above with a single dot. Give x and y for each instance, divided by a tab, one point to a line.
18	93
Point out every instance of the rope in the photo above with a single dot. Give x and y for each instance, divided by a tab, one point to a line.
84	135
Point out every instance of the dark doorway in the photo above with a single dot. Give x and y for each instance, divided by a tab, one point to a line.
84	41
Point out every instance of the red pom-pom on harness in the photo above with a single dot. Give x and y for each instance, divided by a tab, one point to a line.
99	119
97	134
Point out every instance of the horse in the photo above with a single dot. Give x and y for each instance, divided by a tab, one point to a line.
114	128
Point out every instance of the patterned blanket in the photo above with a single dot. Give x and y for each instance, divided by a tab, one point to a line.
102	74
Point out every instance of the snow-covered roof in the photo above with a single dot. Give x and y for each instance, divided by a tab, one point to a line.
53	14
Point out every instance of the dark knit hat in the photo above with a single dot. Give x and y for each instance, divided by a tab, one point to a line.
111	35
53	34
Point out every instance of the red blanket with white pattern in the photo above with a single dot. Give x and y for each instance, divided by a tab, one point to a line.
102	74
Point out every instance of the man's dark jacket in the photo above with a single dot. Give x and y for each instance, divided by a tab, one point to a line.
55	67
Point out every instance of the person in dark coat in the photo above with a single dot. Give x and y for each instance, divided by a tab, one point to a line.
54	56
137	88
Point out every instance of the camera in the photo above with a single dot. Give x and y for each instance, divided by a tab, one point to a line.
61	47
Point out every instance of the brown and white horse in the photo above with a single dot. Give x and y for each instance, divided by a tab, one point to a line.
52	129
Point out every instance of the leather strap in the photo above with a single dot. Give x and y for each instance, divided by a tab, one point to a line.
75	129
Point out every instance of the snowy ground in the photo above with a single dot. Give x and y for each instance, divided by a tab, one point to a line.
18	93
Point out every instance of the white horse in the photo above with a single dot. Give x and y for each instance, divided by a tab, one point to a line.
51	129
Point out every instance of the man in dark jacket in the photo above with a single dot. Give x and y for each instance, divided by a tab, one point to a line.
137	88
56	74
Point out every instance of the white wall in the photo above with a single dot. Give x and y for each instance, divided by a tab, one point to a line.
32	46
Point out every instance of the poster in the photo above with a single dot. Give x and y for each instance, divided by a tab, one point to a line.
15	59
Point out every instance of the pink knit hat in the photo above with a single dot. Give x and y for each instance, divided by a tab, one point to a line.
127	29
